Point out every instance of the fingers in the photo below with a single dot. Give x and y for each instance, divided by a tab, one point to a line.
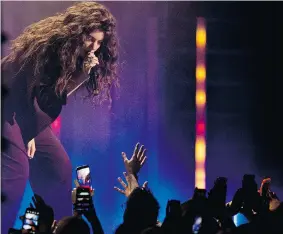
145	185
122	182
124	156
90	62
92	58
142	156
126	177
74	191
74	195
31	205
266	181
141	152
143	161
54	224
32	150
76	183
119	190
34	200
91	54
29	151
38	200
93	63
92	192
136	150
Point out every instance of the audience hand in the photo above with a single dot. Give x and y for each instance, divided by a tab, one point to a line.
138	159
130	186
274	202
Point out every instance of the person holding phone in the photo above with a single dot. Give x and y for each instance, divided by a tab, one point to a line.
30	222
47	62
82	199
38	218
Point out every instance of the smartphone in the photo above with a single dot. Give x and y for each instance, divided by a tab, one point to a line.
83	199
83	176
30	221
197	225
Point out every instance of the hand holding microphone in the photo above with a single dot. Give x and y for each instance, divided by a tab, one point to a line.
90	69
90	72
90	61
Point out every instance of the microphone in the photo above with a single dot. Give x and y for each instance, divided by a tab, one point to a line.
93	75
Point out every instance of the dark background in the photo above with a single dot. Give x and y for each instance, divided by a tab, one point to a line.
244	77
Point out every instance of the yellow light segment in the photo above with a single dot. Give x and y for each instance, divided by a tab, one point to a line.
200	73
200	178
200	150
200	98
201	37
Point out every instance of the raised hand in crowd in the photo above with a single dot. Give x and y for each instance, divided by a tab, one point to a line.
136	162
267	195
130	185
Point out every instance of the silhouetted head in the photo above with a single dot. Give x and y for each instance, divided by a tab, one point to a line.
141	210
46	219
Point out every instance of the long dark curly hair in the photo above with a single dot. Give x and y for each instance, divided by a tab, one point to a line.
51	48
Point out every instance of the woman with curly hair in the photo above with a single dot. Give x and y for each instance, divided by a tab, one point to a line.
48	61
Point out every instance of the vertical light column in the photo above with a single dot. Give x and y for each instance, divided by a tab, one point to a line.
200	144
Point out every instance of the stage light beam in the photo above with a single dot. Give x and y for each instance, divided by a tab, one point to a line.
200	141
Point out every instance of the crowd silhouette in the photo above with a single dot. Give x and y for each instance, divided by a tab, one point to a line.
207	212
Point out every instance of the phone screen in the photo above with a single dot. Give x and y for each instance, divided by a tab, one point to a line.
31	220
83	199
83	176
197	225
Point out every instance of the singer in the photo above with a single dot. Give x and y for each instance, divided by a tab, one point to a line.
47	63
